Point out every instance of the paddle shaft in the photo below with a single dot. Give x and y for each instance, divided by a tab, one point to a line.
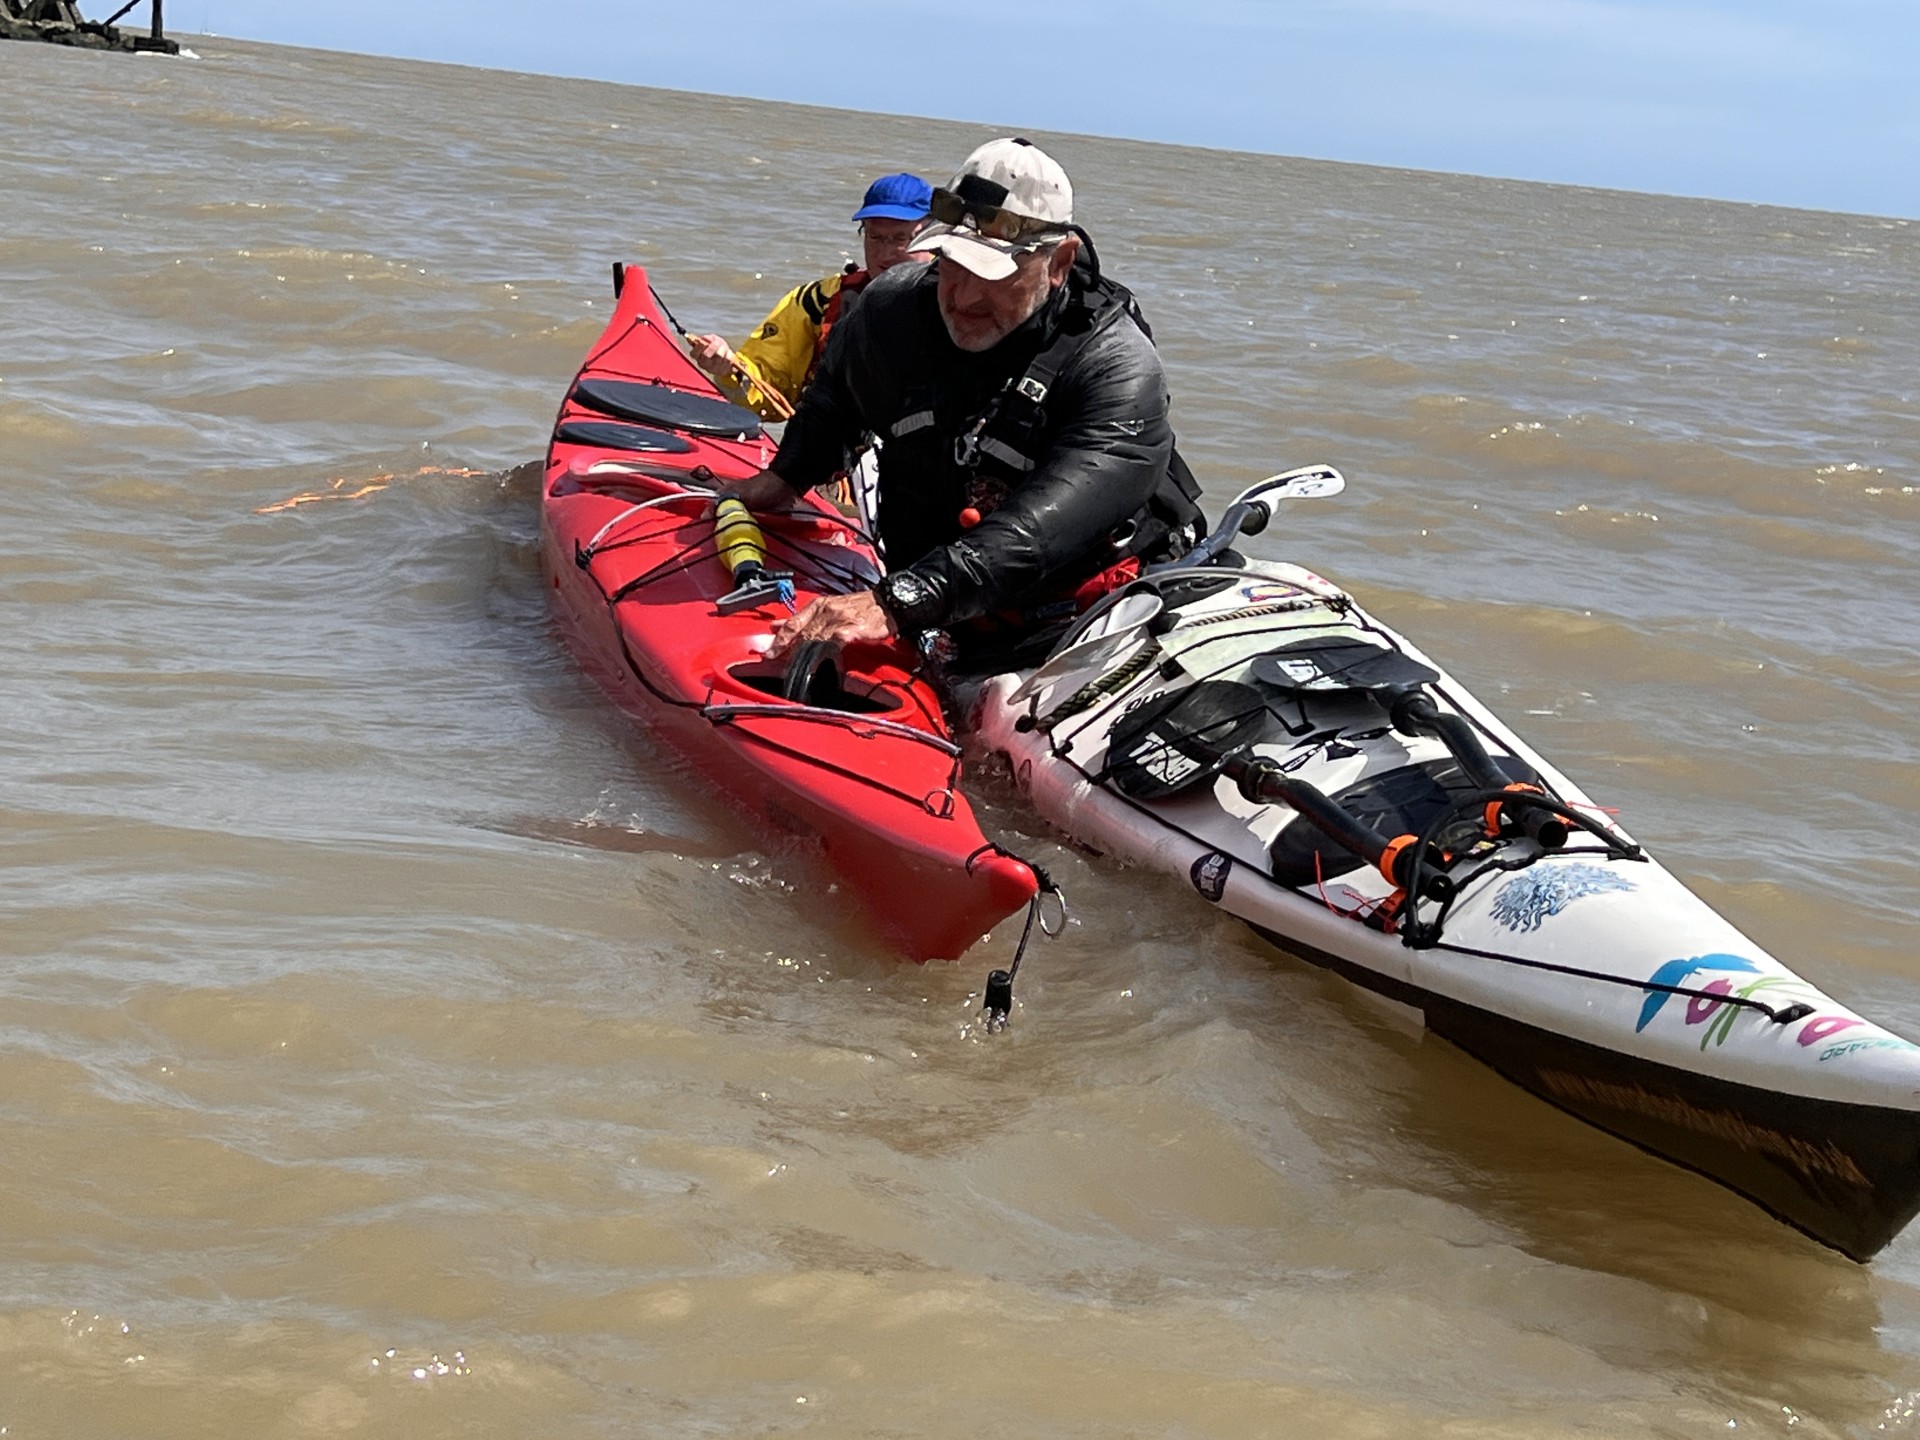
1414	713
783	407
1263	782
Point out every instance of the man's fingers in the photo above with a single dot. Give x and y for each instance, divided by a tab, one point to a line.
710	352
788	639
840	620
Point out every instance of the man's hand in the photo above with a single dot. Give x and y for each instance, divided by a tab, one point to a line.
761	491
840	619
713	355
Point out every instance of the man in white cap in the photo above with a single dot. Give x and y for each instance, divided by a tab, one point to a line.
1026	465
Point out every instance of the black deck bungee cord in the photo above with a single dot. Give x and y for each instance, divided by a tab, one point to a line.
806	713
1784	1016
685	334
1417	934
700	553
1420	935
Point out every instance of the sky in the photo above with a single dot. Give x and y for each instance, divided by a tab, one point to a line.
1807	103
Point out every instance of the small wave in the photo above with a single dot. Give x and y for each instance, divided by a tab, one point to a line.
594	834
1164	240
28	424
1378	370
274	124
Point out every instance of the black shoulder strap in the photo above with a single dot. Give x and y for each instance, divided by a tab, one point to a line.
1068	341
1006	431
1176	503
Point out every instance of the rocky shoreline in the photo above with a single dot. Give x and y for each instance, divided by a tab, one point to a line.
58	22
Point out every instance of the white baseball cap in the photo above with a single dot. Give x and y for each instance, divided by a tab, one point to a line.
1009	197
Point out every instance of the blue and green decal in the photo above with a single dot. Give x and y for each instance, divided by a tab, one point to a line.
1678	972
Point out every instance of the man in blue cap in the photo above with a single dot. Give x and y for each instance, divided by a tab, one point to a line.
774	364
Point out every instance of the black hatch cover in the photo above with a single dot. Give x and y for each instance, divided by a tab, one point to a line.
609	435
675	409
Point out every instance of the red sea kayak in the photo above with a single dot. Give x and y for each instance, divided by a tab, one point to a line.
848	756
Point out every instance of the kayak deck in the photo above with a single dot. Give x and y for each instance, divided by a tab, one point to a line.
859	768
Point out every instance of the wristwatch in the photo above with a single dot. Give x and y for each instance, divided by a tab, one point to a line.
913	601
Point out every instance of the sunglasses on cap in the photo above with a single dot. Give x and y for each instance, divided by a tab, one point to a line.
992	222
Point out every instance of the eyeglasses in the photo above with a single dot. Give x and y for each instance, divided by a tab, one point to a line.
992	222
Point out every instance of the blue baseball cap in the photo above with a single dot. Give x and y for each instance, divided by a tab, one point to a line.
896	197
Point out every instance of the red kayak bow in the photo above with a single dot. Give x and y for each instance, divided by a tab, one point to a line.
669	606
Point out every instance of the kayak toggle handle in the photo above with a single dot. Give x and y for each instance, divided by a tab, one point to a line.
999	1000
1398	858
996	1006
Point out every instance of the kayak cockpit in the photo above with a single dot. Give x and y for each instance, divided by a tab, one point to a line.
822	686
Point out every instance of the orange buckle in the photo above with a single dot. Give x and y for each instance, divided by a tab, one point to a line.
1387	913
1494	807
1390	856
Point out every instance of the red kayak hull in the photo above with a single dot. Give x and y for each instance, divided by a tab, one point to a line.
864	778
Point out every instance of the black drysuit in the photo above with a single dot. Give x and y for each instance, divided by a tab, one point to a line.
1067	483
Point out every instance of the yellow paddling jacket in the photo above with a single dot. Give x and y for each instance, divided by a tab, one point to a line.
784	347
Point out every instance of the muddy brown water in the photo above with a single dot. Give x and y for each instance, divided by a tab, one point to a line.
394	1042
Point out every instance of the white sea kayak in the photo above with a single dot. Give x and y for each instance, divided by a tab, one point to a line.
1248	727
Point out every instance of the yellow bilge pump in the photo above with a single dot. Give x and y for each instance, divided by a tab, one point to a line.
743	550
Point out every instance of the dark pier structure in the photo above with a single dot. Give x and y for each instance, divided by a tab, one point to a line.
59	23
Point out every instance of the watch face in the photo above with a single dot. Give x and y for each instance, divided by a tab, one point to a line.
907	594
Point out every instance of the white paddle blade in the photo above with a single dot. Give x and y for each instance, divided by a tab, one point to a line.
1309	482
1129	612
1112	633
